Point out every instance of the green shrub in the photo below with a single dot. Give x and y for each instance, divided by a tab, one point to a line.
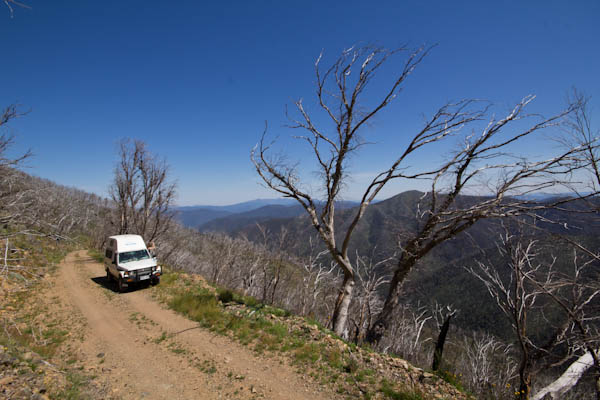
351	365
225	296
250	301
278	312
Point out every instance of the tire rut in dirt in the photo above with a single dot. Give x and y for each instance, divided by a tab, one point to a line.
137	368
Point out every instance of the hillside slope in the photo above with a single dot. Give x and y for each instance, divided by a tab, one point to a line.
440	276
233	223
129	346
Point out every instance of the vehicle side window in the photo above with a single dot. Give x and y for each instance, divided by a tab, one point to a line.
108	253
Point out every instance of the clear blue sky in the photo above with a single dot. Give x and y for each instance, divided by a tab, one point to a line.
196	80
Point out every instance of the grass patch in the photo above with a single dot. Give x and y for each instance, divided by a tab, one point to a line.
177	350
334	359
96	255
351	366
263	329
161	338
389	392
74	389
250	327
43	340
309	353
365	375
451	378
168	278
133	317
201	306
250	301
278	330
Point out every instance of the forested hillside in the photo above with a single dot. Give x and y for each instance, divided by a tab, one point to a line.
441	277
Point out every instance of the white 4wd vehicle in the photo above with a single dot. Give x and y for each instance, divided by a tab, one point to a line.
128	262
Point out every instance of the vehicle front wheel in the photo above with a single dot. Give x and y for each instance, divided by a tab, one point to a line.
121	286
155	281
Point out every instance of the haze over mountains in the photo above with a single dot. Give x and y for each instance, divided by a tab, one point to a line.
195	216
231	218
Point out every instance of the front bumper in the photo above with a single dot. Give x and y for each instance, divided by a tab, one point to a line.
144	275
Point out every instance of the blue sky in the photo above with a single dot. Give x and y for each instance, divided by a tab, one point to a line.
197	80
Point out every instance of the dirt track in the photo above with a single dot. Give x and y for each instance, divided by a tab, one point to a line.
139	349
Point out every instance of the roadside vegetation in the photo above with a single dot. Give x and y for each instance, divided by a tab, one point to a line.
315	351
35	342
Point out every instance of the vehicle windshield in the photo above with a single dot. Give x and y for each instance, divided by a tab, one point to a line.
134	256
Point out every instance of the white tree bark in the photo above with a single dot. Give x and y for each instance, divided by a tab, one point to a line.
568	379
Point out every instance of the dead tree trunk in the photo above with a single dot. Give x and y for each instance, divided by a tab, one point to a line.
342	305
439	345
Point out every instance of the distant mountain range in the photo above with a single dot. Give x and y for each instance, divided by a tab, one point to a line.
195	216
439	276
542	196
244	206
232	218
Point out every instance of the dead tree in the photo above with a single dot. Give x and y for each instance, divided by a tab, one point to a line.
442	316
141	192
487	365
526	285
573	294
485	155
407	333
580	133
13	190
339	94
273	266
370	278
516	296
558	388
577	296
483	164
314	278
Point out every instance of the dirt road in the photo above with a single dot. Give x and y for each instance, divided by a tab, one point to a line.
139	349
